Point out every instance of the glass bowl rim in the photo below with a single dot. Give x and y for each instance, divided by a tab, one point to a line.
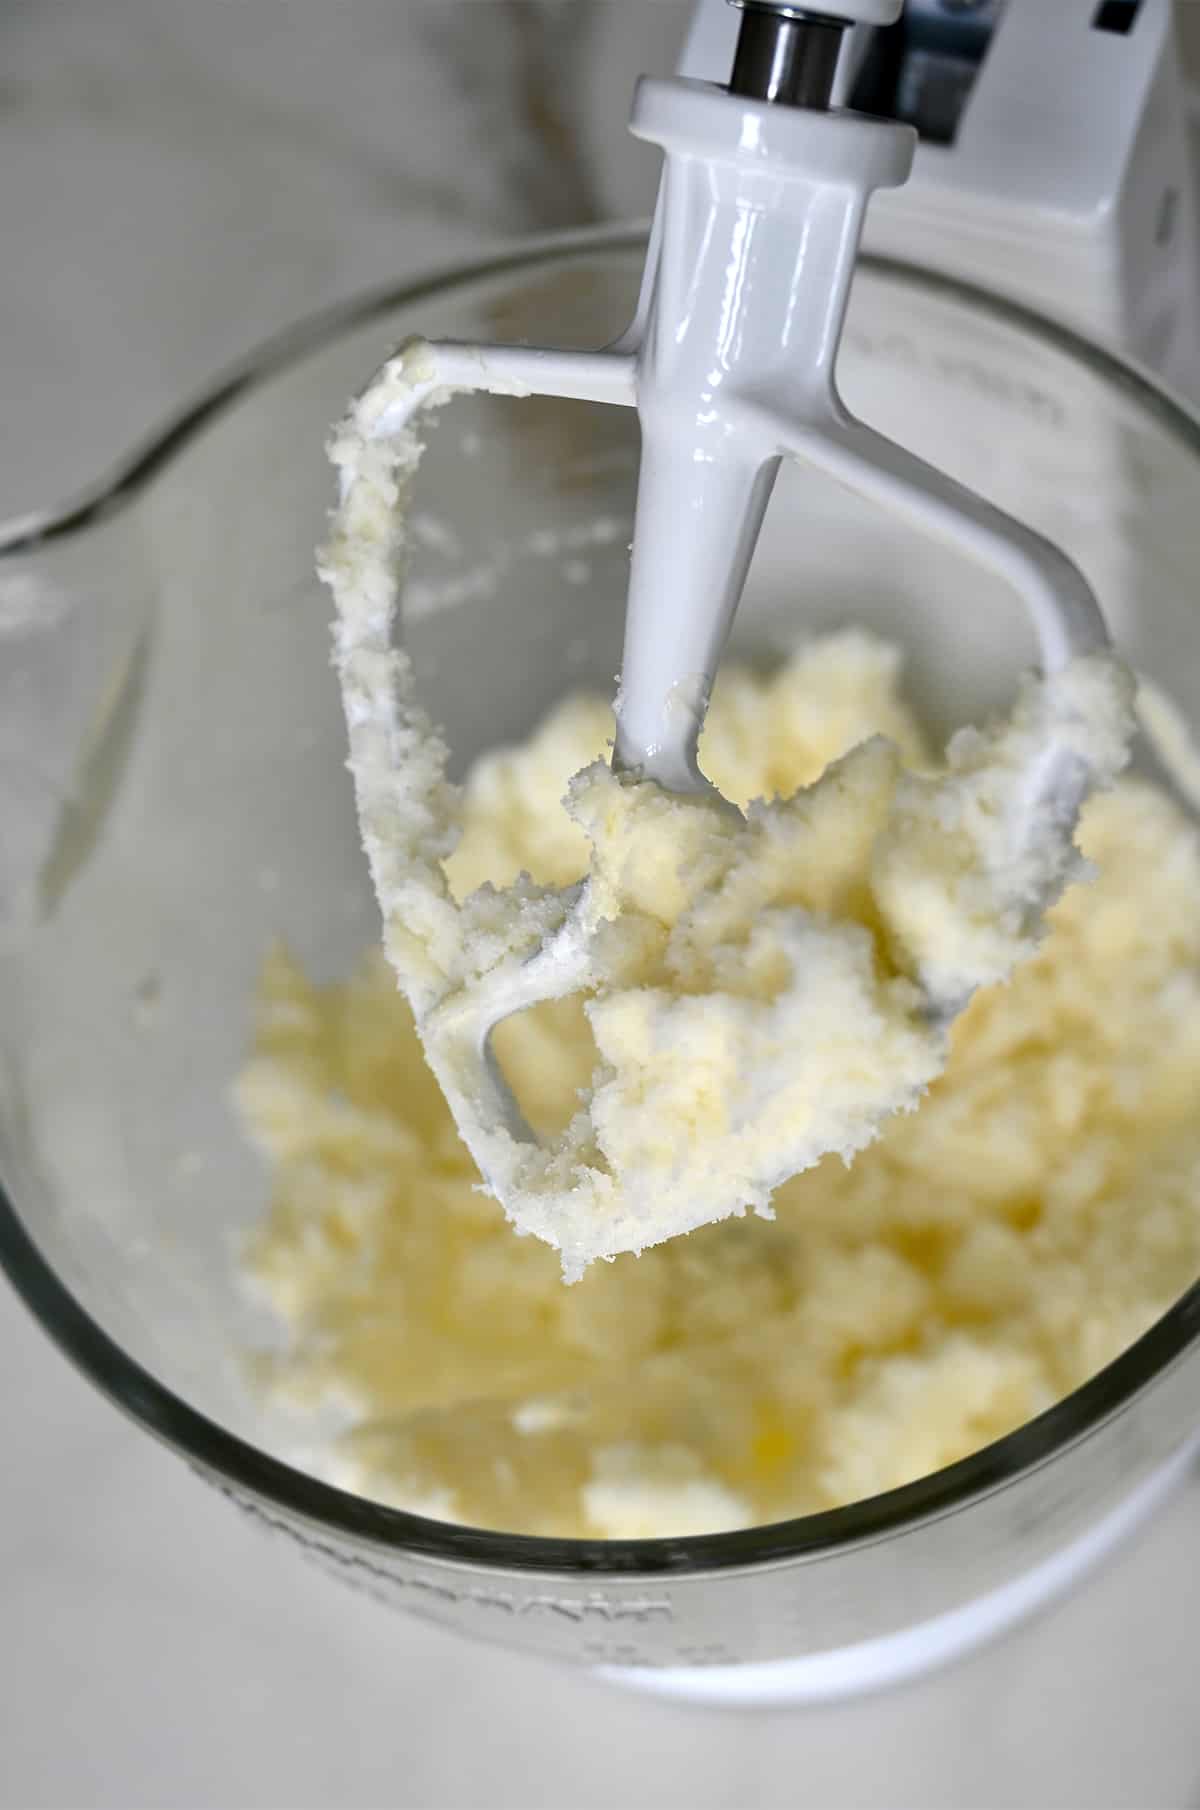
239	1466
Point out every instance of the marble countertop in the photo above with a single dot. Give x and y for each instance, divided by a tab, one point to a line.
176	181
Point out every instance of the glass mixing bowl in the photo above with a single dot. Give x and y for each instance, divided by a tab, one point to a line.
173	797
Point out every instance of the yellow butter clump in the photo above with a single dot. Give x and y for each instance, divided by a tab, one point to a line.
979	1260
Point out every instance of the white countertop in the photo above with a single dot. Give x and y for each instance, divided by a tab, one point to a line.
176	180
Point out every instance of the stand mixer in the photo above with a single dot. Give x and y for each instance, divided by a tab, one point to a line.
730	363
106	1230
